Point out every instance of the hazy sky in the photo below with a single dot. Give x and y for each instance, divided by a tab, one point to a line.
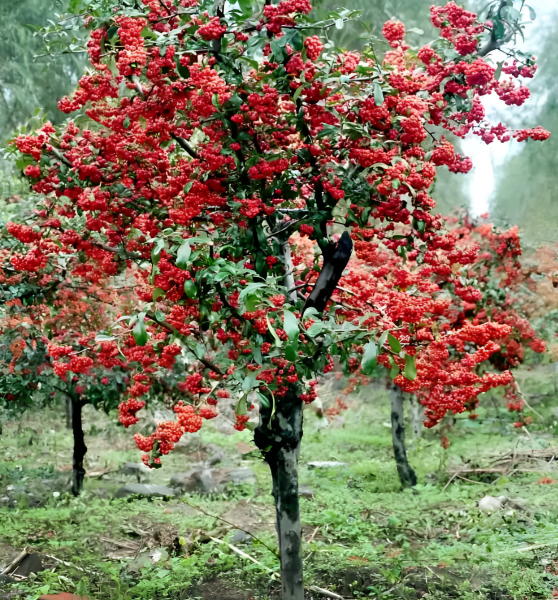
486	159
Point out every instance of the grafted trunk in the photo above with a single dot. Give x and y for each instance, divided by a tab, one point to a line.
406	474
279	439
80	449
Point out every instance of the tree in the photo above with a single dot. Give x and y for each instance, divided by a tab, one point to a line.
477	284
27	82
215	137
42	324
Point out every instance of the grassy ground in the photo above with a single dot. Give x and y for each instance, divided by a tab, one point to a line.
363	536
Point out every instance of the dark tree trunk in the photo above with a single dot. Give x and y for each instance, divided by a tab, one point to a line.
279	439
80	449
68	409
406	474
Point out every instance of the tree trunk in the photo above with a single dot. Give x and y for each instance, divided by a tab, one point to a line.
80	449
279	439
406	474
68	409
417	416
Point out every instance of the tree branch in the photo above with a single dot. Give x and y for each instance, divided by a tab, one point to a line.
336	258
174	330
184	145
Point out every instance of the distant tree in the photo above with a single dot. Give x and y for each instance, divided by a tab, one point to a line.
40	324
526	181
27	82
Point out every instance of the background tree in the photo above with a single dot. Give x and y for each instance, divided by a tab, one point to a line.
27	82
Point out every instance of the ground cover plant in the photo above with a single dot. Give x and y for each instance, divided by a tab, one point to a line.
211	144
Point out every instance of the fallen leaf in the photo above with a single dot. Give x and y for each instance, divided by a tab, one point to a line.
244	448
358	559
64	468
99	472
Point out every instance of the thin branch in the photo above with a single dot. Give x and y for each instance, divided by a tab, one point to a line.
184	145
174	330
290	224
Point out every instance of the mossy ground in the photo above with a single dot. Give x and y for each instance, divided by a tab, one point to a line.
363	536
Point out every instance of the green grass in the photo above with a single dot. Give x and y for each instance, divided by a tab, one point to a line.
368	538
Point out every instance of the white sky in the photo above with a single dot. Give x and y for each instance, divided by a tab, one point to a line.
487	158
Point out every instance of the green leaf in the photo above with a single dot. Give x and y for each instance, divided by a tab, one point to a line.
291	353
315	329
272	331
394	368
139	332
240	408
394	343
249	381
184	72
183	255
297	92
498	28
158	293
294	38
249	289
190	288
532	13
383	339
310	312
215	101
369	358
378	94
498	72
156	252
290	324
410	371
258	356
263	400
126	123
101	337
251	303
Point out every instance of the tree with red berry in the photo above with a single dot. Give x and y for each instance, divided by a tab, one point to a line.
45	338
210	142
484	262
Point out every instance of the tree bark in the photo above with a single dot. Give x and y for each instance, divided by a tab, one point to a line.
68	409
279	437
80	449
406	474
417	416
